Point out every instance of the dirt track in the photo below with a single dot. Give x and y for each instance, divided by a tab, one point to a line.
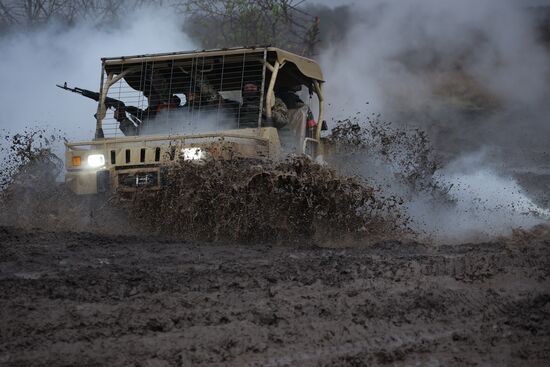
85	299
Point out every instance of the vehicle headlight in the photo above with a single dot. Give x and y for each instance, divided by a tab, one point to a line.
96	160
190	154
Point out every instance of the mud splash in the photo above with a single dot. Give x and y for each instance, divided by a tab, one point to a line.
26	155
291	201
385	186
294	200
28	174
387	155
464	200
32	194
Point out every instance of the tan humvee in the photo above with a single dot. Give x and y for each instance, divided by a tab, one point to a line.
208	124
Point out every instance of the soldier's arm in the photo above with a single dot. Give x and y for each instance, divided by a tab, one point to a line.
124	123
279	113
128	127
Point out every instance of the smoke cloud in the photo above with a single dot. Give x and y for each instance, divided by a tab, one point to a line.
485	204
475	77
470	73
34	61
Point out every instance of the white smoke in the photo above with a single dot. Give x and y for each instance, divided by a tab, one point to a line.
34	61
485	204
393	41
422	64
188	121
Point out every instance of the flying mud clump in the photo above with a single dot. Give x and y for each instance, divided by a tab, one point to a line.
397	159
292	200
26	155
33	196
28	174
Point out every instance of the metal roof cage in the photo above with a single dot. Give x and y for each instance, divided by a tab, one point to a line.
198	91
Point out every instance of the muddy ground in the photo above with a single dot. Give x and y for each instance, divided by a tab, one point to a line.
93	300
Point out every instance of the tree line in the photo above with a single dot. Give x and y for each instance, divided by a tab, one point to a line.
289	24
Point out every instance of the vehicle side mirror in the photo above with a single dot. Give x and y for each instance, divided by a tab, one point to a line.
324	126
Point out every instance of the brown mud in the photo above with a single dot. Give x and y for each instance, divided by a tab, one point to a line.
370	147
190	275
290	201
93	300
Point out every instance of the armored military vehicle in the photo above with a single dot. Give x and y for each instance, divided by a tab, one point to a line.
157	109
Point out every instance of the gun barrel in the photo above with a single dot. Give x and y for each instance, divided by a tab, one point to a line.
74	90
85	92
109	102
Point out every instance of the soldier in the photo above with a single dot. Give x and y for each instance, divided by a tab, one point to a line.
127	126
279	113
250	109
157	89
289	97
207	94
203	95
130	126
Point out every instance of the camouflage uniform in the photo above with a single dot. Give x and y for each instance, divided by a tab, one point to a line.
250	111
208	95
202	94
279	113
